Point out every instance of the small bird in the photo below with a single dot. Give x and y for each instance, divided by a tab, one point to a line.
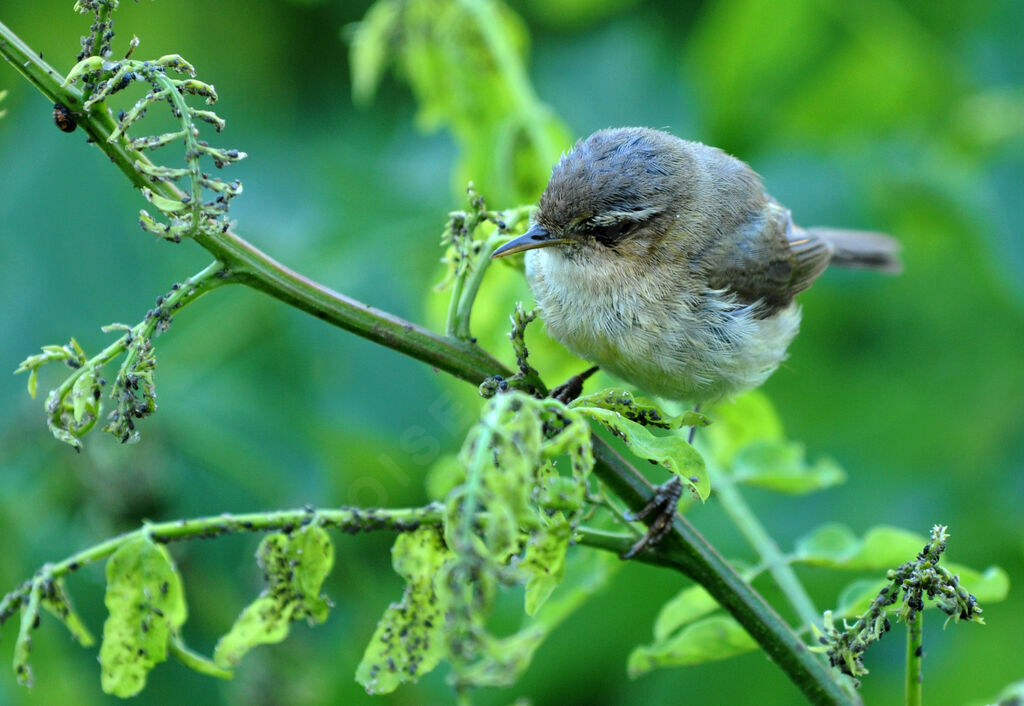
664	262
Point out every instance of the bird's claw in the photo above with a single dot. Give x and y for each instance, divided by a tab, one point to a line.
573	387
664	502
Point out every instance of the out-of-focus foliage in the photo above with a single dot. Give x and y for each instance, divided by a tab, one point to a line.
898	116
463	63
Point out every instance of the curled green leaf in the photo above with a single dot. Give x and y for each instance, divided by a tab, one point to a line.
409	639
57	602
87	65
638	409
544	561
672	452
23	645
295	566
164	204
176	63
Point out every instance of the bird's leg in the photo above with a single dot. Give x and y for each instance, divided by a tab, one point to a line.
665	501
571	388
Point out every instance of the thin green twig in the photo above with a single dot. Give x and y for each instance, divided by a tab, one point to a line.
750	526
915	659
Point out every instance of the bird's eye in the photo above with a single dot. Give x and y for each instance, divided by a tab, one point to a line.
611	233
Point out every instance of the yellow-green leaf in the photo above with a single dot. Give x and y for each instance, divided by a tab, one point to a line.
714	638
672	451
544	561
146	602
164	204
371	48
409	640
836	546
58	603
296	566
746	419
781	466
637	409
23	645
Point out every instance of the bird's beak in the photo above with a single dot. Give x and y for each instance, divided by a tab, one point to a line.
536	237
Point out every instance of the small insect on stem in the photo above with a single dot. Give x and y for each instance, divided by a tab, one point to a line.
63	118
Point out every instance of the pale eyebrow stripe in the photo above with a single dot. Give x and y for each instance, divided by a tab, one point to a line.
613	216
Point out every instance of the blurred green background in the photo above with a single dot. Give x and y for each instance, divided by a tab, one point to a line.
906	117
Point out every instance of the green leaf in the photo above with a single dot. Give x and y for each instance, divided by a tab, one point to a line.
265	621
295	566
856	597
58	603
688	605
748	418
146	602
714	638
637	409
23	645
691	604
780	466
82	396
544	561
989	586
672	452
409	640
447	473
164	204
85	66
836	546
371	48
311	558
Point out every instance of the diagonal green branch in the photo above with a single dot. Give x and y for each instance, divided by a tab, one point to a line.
691	553
247	263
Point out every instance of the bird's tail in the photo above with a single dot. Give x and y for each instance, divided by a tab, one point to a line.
859	248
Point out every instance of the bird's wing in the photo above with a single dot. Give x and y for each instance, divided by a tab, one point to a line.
768	260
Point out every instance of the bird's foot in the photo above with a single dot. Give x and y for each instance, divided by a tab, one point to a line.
573	387
663	502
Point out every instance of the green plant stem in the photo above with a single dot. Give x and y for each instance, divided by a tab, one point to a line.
255	268
689	551
470	286
97	122
746	521
451	323
196	662
915	659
